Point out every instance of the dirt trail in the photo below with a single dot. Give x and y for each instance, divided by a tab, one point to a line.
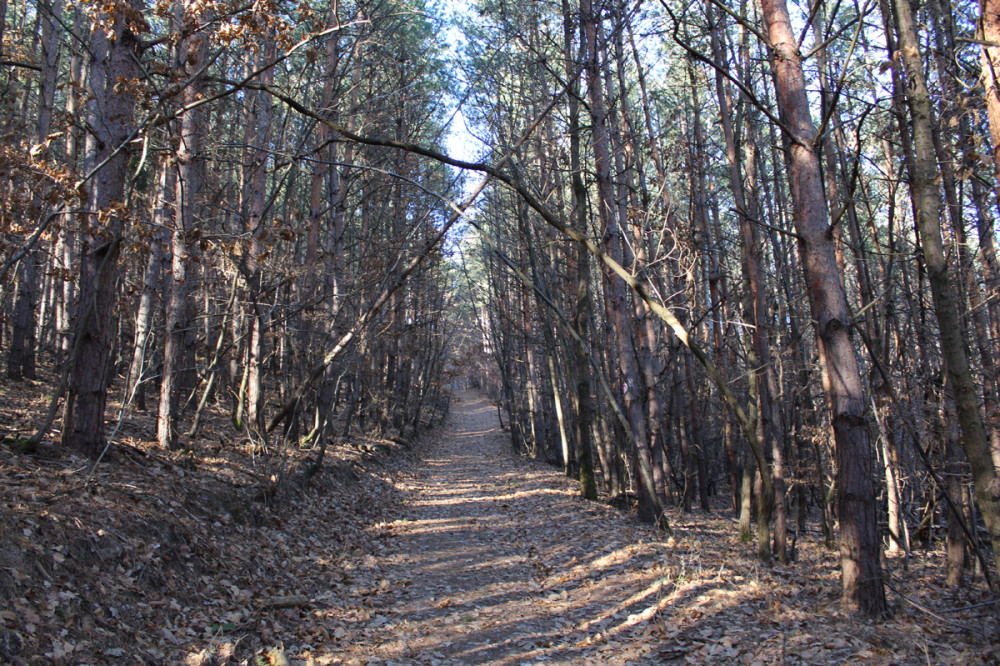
493	559
496	560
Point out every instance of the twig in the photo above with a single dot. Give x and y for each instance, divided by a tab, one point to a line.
19	63
928	611
972	607
288	602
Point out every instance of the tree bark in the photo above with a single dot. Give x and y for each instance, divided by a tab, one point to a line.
21	362
584	395
110	113
928	198
631	379
135	387
191	55
765	383
63	258
259	119
861	573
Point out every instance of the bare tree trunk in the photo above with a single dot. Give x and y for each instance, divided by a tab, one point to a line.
110	111
955	544
584	396
861	573
3	21
765	383
650	506
989	23
21	362
899	534
173	338
144	316
65	238
260	120
928	198
626	151
192	53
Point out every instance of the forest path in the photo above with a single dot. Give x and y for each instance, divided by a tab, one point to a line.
487	558
496	560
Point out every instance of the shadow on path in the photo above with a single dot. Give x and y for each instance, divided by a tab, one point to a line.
498	561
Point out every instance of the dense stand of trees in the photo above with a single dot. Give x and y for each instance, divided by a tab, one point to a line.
175	235
736	251
808	191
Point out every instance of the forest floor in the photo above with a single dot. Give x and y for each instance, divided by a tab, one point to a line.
453	552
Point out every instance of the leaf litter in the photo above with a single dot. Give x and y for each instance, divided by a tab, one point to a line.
457	553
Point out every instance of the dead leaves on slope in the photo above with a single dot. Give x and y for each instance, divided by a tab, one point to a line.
159	558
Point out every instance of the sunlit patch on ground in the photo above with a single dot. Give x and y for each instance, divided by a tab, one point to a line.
496	560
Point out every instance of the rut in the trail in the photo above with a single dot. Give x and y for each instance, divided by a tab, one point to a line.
496	560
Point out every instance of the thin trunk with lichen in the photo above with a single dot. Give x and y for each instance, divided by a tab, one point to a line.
927	196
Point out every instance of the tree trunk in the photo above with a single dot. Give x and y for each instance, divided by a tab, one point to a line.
21	362
65	238
989	23
259	119
760	317
110	113
650	508
135	388
191	54
585	399
927	195
861	573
